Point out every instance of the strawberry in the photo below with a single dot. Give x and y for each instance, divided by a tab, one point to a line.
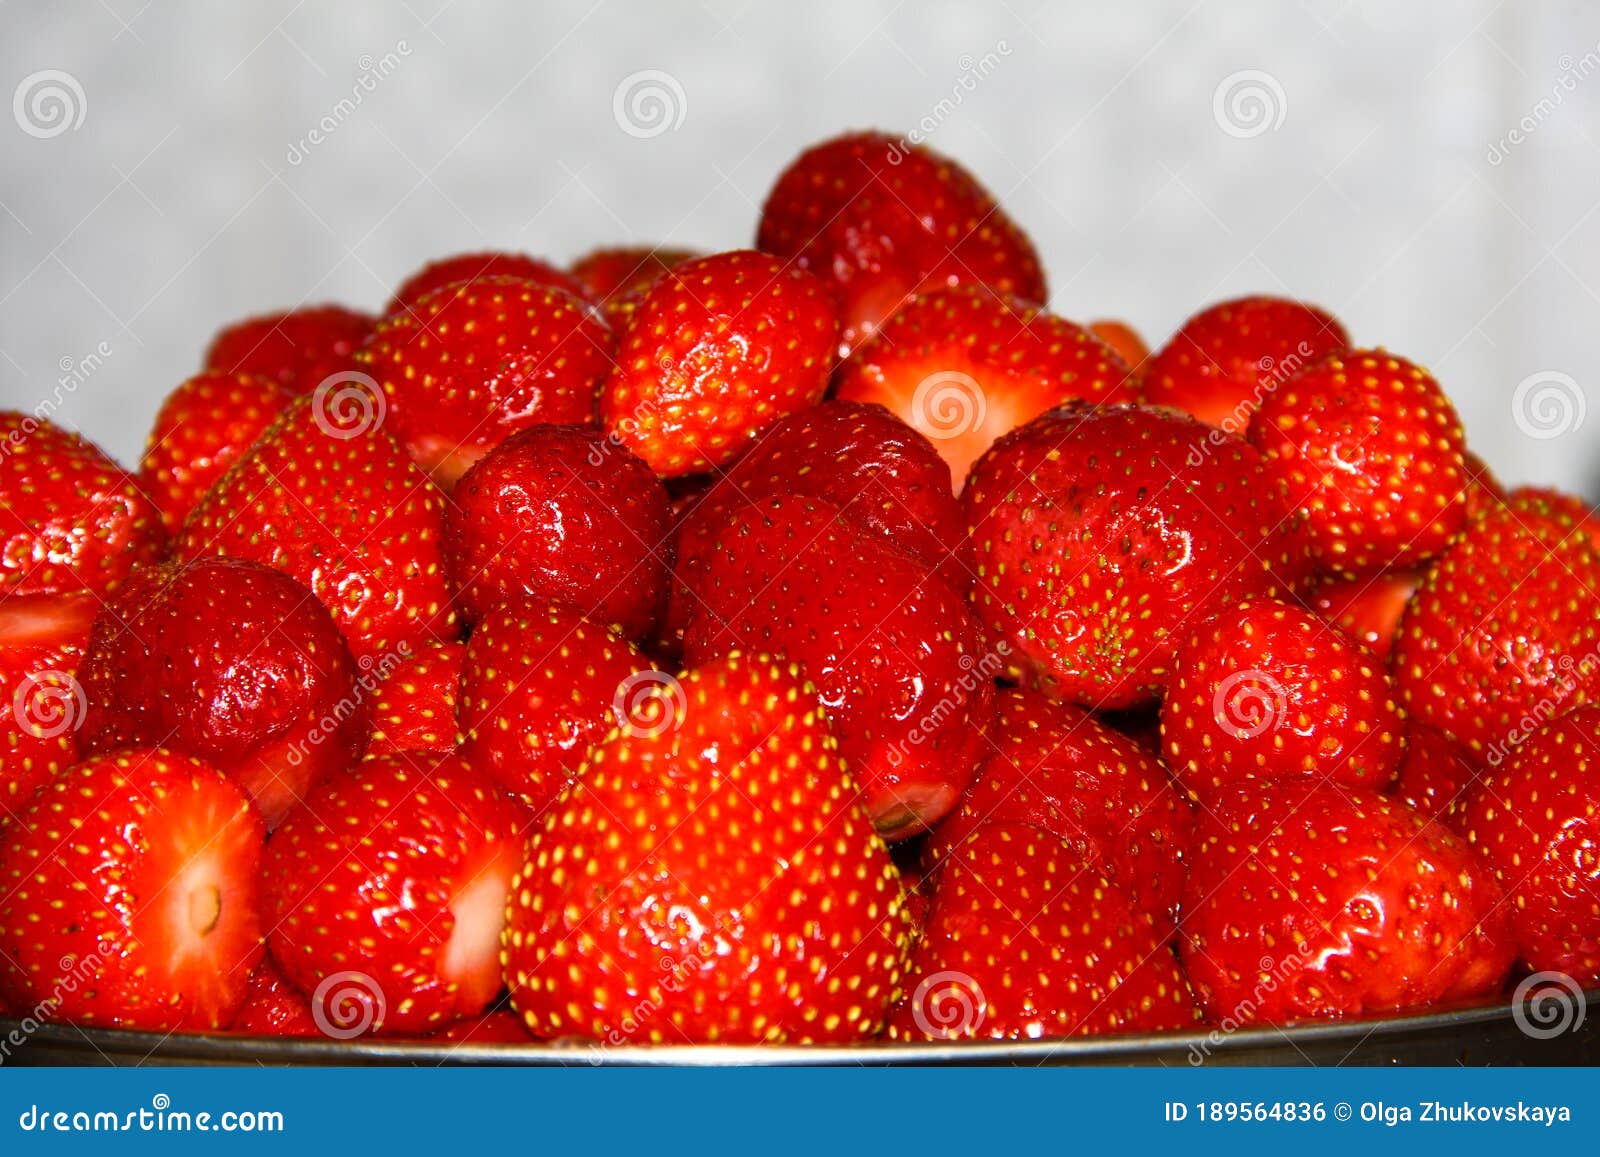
326	495
541	685
471	363
1319	901
203	427
1434	773
710	879
619	278
1538	500
1060	770
1535	819
1367	609
128	895
965	365
1125	342
1024	942
1502	634
385	890
1372	452
718	350
1227	358
231	662
1105	533
42	704
414	707
1484	492
879	220
299	348
1266	691
71	519
880	473
556	514
273	1007
892	647
502	1026
478	267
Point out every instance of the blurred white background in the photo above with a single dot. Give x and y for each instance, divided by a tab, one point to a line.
1427	171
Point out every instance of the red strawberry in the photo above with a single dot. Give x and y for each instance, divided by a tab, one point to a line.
128	895
298	349
1484	491
1539	501
42	704
470	364
273	1007
719	349
385	893
540	685
502	1027
880	220
203	427
1535	818
1367	609
1313	902
896	655
466	267
1227	358
414	707
327	496
231	662
711	879
1024	942
1434	773
1105	533
71	519
1372	452
1503	629
1058	769
556	514
619	278
876	469
965	365
1266	691
1125	342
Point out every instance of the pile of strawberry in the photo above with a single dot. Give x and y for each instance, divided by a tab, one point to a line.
816	642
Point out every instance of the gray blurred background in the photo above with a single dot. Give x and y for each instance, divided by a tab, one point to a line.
1427	171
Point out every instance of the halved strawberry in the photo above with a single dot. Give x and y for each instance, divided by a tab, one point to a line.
42	704
468	267
1228	357
1312	902
719	349
128	895
202	428
414	707
299	348
473	362
880	220
385	892
327	496
710	879
965	365
71	519
539	686
232	662
1023	941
